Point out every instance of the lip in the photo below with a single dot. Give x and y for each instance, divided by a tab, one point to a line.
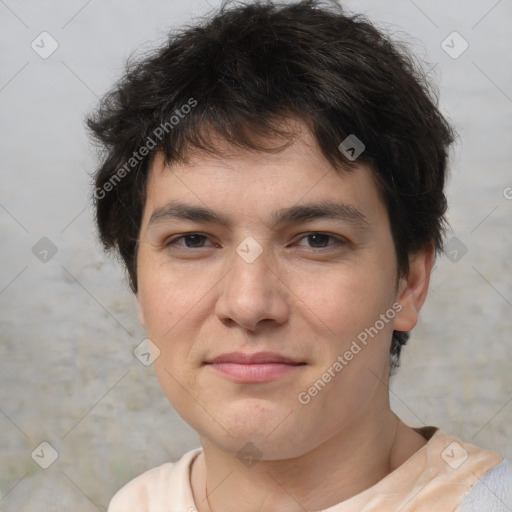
256	358
258	367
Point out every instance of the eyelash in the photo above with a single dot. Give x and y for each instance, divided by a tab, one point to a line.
339	240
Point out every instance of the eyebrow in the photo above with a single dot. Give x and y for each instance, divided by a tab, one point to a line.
291	215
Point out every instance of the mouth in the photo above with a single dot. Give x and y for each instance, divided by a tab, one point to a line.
258	367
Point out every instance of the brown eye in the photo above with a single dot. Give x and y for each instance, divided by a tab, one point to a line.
190	241
320	240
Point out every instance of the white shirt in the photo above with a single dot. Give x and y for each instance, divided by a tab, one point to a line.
436	478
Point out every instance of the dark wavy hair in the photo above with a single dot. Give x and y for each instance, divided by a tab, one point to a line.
240	71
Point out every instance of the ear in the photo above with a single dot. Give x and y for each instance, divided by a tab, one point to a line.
141	313
412	289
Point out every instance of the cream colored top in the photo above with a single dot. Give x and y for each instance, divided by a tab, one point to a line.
434	479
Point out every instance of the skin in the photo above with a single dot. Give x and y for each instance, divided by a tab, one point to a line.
306	298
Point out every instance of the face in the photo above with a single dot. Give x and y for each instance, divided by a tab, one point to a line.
257	273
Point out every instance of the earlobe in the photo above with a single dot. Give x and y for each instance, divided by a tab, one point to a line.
413	289
140	312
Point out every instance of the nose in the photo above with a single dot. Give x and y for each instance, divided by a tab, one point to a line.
252	294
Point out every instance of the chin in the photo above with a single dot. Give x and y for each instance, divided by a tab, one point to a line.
269	436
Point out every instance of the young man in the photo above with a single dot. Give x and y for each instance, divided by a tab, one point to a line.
273	180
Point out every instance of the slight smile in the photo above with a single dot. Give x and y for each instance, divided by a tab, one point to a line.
258	367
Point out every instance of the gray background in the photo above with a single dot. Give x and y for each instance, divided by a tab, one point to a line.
68	325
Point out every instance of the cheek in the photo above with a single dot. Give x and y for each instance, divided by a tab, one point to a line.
166	296
344	300
345	308
173	305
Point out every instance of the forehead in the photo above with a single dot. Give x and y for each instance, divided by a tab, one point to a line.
245	181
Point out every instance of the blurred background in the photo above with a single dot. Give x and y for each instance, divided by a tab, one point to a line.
68	323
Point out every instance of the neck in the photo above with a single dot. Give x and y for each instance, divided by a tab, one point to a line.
344	465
